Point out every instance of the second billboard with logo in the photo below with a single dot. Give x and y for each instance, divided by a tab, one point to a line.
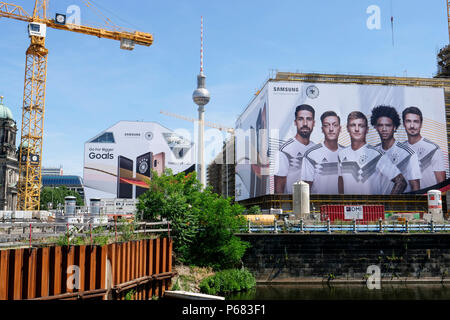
119	162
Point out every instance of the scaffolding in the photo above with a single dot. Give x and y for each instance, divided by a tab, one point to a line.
221	171
443	62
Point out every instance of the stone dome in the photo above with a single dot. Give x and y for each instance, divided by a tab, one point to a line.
5	113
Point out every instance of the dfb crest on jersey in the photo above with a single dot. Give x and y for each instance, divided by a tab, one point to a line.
420	152
394	157
363	159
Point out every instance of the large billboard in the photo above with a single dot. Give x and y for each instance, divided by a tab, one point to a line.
118	162
341	139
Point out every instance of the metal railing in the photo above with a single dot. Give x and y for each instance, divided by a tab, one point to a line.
352	227
15	232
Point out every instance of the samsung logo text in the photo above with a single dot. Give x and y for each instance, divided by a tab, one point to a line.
285	89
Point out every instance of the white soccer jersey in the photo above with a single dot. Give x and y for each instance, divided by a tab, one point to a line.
290	161
431	159
406	161
365	170
321	167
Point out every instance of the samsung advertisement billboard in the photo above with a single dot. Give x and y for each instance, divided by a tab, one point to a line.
341	139
118	162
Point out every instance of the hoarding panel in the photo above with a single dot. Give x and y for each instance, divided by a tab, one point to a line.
303	149
252	141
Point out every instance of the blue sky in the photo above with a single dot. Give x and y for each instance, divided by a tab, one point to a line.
92	84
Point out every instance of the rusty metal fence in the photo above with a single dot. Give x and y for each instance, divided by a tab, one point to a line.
128	270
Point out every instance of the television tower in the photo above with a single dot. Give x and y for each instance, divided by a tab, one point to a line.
201	98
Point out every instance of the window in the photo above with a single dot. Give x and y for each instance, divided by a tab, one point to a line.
35	27
106	137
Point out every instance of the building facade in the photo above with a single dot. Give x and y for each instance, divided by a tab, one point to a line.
73	183
318	91
9	165
50	171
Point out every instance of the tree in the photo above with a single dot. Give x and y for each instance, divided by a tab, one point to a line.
203	224
170	197
56	196
254	210
215	244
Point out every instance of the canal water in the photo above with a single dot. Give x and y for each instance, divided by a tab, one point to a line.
344	292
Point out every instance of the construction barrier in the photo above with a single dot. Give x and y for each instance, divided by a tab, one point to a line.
127	270
341	213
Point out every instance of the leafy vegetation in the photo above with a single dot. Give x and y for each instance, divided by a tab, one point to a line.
130	295
176	286
203	224
254	210
227	281
56	196
102	236
127	230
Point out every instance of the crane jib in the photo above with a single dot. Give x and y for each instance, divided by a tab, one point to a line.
30	150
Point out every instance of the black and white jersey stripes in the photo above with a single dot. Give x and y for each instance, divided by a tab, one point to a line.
321	167
290	161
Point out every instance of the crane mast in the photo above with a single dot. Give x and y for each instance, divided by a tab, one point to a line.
32	130
30	148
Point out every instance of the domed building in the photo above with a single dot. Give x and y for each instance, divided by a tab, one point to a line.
9	165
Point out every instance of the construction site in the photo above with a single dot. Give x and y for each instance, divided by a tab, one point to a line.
221	173
291	170
219	177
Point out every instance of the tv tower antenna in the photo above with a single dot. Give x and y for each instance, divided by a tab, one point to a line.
201	45
201	98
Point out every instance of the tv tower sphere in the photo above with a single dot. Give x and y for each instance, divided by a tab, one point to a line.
201	95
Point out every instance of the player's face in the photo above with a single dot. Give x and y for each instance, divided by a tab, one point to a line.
412	124
331	128
304	123
357	129
385	128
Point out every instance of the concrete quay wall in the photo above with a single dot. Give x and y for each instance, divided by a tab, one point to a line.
296	257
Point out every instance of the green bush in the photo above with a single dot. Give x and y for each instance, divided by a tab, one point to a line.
176	286
130	295
203	224
254	210
62	241
126	229
226	281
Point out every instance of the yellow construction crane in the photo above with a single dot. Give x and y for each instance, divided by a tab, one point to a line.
30	153
207	123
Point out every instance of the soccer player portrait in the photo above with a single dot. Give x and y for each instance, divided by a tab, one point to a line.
291	153
386	121
431	158
363	168
320	163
